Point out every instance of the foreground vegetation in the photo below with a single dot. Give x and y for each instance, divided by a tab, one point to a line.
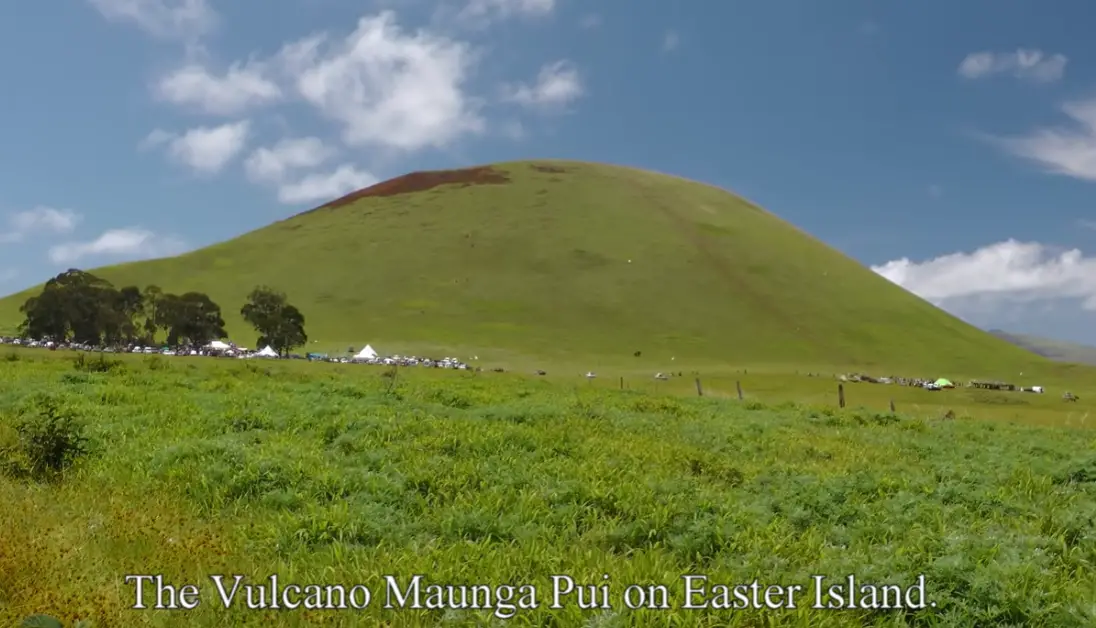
329	474
562	259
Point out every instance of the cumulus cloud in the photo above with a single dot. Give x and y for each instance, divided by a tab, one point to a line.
670	41
483	12
389	90
119	244
591	20
165	19
206	150
1063	150
558	84
1032	65
386	87
325	186
279	165
272	164
513	130
239	88
39	220
1009	271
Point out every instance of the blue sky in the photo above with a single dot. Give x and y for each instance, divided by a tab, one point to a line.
951	146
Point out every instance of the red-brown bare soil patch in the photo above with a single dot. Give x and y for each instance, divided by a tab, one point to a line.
548	168
422	181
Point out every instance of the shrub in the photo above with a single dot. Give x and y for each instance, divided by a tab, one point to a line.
46	443
156	363
45	621
98	365
41	621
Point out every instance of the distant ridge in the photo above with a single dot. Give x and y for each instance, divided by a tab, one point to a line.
1057	350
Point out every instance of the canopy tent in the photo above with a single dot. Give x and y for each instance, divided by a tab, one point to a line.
267	352
366	353
219	345
943	383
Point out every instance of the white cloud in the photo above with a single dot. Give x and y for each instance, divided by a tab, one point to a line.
513	130
166	19
483	11
670	41
242	86
158	137
39	220
389	90
325	187
386	87
207	150
592	20
129	244
1065	151
1006	271
273	163
558	84
1032	65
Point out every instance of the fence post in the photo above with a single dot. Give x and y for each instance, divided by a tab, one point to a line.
699	390
738	385
622	382
892	406
841	395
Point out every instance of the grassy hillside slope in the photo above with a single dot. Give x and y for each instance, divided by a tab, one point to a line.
1058	350
565	260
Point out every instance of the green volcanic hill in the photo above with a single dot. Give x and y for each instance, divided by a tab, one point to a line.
561	260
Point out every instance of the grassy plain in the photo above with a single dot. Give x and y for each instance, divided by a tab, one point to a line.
342	474
567	260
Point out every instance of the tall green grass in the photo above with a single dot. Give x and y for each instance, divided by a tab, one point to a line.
335	475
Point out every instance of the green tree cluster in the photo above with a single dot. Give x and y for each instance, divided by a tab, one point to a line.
279	324
77	306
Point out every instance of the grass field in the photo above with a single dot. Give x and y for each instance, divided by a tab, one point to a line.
334	474
563	262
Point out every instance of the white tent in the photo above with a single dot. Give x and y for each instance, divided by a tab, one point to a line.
267	352
219	345
366	354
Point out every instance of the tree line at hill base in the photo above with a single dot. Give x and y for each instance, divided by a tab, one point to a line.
77	306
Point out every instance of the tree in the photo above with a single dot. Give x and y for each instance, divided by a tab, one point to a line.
151	302
45	317
73	305
79	306
279	324
123	307
192	318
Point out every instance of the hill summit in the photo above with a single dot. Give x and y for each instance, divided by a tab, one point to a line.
566	258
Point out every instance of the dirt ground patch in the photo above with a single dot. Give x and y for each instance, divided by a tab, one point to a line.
422	181
547	168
